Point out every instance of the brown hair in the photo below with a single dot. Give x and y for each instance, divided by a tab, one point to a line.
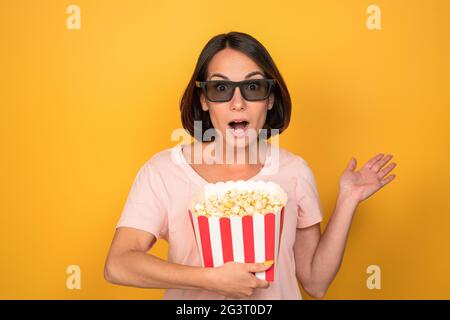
191	110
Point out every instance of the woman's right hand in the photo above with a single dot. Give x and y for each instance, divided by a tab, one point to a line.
236	280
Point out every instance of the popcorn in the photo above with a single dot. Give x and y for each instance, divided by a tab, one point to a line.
238	202
239	221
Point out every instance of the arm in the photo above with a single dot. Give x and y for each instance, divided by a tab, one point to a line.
129	264
318	258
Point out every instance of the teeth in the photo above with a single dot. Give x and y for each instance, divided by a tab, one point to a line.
239	128
236	122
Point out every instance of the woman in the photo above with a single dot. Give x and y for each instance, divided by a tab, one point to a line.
235	90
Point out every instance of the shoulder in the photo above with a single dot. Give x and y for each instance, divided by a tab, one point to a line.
162	161
292	160
295	164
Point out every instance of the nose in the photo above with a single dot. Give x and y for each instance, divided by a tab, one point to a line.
237	101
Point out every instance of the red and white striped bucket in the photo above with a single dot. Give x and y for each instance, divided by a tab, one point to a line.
245	239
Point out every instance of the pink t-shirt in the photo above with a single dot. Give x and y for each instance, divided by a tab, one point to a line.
161	193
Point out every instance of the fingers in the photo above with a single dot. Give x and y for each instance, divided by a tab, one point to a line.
351	165
262	283
388	179
249	291
386	170
259	267
380	163
372	161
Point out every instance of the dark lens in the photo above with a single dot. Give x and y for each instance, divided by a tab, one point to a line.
218	90
255	89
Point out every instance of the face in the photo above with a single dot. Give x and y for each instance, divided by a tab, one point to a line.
230	64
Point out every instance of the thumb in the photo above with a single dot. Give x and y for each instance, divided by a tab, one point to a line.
259	267
351	165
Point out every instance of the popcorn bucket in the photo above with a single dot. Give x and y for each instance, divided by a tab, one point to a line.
246	237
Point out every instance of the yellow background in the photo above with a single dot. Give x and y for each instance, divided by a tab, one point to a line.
82	110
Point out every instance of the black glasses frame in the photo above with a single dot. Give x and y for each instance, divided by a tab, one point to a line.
234	84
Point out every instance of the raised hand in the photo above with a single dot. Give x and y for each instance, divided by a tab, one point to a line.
361	184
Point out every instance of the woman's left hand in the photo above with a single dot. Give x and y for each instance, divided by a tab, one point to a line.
361	184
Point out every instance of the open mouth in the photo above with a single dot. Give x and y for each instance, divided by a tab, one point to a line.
238	128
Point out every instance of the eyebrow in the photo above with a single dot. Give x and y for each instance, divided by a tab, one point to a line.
246	77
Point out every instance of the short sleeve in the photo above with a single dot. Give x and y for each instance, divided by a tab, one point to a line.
309	210
145	207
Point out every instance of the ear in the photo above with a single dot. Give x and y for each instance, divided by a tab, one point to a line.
271	101
203	102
